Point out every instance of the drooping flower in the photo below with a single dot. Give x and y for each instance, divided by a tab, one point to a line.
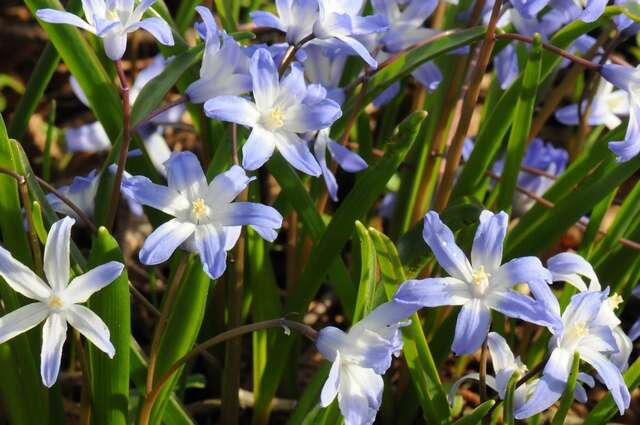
295	18
479	286
359	357
225	67
505	364
627	79
580	332
606	106
282	109
112	20
205	220
58	300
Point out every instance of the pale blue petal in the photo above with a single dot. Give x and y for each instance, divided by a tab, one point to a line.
83	286
634	332
88	138
185	175
225	187
210	244
115	45
441	241
53	16
611	377
629	148
22	319
593	10
519	270
360	394
249	213
472	327
265	79
429	75
569	267
297	153
91	327
506	66
360	49
258	148
519	306
303	117
54	333
348	160
56	254
488	241
267	20
160	244
584	307
233	109
331	385
154	195
551	386
159	29
433	292
21	278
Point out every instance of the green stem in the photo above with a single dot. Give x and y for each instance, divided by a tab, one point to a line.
567	397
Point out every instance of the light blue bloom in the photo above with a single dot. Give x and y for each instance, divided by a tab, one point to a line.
479	286
585	10
225	67
406	22
606	106
505	364
634	332
579	332
627	79
205	220
295	18
324	66
282	109
359	357
348	161
112	20
58	300
623	22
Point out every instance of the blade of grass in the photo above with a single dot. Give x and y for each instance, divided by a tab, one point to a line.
567	396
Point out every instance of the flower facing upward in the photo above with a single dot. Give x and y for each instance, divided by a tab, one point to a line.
205	220
112	20
478	286
359	357
281	110
57	301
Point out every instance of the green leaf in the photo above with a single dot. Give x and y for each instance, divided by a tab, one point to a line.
417	353
370	185
367	285
38	222
310	397
476	416
567	396
509	400
182	329
606	408
185	14
110	377
519	137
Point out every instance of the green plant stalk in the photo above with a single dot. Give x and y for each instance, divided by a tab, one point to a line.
476	416
567	396
366	287
46	161
509	407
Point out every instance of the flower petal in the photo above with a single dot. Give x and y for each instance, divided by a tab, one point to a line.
441	241
185	175
266	20
519	270
330	387
56	254
472	327
160	244
433	292
297	153
348	160
249	213
611	377
210	244
154	195
115	45
53	16
225	187
233	109
359	394
304	117
54	333
83	286
158	28
21	279
91	326
258	148
265	79
22	319
488	241
89	138
569	267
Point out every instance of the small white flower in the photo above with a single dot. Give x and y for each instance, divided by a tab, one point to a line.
57	301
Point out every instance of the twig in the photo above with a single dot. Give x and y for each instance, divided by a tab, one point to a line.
90	224
234	144
124	146
288	325
291	53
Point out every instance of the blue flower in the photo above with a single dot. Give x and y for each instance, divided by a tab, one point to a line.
607	104
580	332
406	22
585	10
349	161
58	300
205	220
295	18
479	286
324	66
359	357
225	67
281	110
634	332
112	20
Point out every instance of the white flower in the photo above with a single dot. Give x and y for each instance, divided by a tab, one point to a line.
58	302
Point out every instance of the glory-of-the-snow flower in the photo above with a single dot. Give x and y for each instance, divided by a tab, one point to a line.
58	300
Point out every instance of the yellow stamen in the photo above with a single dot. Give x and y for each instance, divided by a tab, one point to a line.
55	302
615	300
480	276
580	329
275	120
199	209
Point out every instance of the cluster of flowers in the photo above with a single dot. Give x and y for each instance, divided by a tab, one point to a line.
289	109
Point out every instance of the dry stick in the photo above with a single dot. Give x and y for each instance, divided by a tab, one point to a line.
470	100
291	53
234	144
548	204
68	202
166	309
124	147
147	304
288	325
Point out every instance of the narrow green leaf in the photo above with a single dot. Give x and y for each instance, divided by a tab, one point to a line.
368	263
38	222
310	397
185	14
368	188
110	377
509	405
417	353
567	396
598	214
519	137
476	416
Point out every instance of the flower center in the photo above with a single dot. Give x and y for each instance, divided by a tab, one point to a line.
480	277
521	368
615	300
199	209
55	302
275	119
580	329
112	15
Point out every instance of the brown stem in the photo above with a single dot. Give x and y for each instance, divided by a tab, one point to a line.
234	144
124	147
288	325
468	106
291	53
164	316
550	47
